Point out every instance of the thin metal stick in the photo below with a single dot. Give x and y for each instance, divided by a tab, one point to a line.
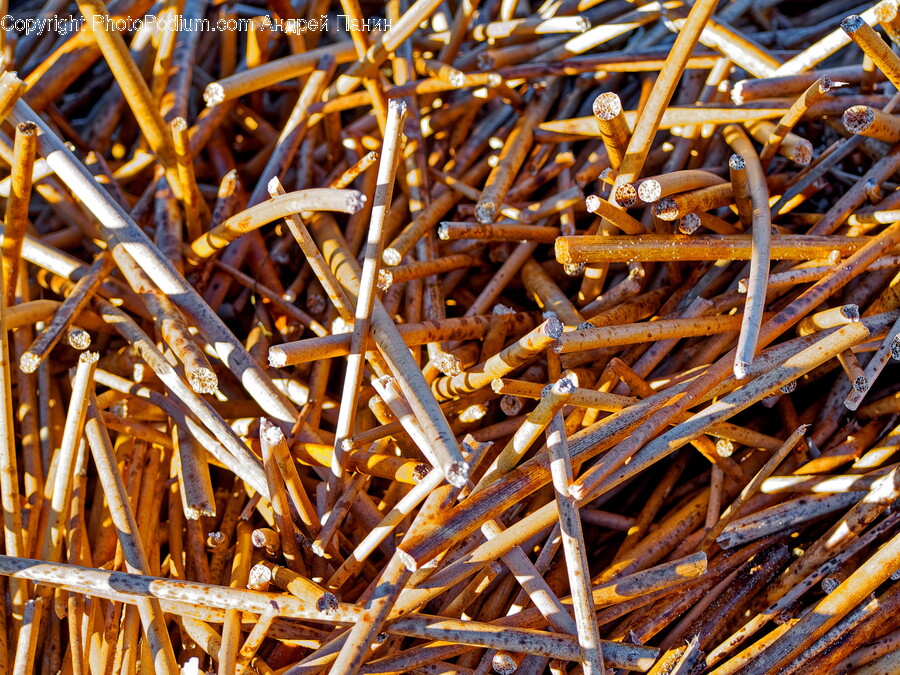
126	526
574	547
761	224
366	296
17	205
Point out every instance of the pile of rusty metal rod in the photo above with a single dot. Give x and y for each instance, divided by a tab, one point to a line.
449	338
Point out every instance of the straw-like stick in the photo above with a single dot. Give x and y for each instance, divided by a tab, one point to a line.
551	402
28	636
9	487
612	126
854	371
653	247
574	547
315	199
458	328
314	257
256	637
189	194
654	188
133	87
133	550
50	544
751	488
871	43
871	122
269	436
299	586
117	225
635	333
829	318
402	273
583	128
761	224
295	489
580	396
816	91
613	214
17	206
274	71
240	573
513	155
78	298
366	296
193	475
663	89
740	188
392	347
793	147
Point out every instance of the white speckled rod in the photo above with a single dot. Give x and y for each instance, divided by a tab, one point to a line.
124	235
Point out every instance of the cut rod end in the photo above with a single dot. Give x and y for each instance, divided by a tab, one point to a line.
485	212
564	386
504	664
607	106
449	364
27	128
553	328
457	473
79	339
689	224
392	257
666	209
577	491
203	381
397	106
737	92
408	561
29	362
198	511
851	313
214	94
327	603
277	357
852	24
269	434
385	279
356	200
626	196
